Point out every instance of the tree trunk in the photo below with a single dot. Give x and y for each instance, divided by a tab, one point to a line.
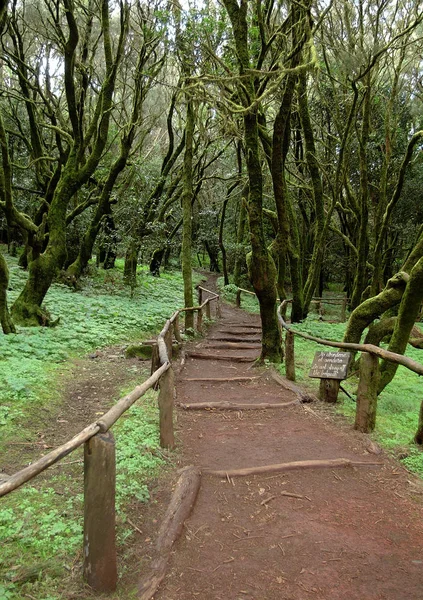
239	252
407	315
131	263
5	318
187	216
374	307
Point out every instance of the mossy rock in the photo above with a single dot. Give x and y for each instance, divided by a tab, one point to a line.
140	351
144	351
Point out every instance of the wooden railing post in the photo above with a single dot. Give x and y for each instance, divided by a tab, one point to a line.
344	310
329	389
218	308
208	312
200	320
289	356
166	401
200	295
169	341
365	416
238	298
100	566
176	330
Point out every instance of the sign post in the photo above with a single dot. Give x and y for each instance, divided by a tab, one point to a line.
331	368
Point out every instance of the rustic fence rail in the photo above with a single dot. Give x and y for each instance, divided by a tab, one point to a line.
368	375
99	554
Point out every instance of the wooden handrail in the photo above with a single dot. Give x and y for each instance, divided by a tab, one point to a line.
107	420
385	354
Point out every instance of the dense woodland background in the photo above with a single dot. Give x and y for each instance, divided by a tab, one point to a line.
281	138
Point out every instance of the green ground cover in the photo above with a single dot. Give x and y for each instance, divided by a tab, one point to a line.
41	524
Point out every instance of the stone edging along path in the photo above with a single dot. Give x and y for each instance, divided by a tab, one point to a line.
277	505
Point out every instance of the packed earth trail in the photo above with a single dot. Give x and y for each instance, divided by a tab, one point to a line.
329	534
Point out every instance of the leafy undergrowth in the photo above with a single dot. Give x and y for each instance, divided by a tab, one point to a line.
398	405
101	314
41	524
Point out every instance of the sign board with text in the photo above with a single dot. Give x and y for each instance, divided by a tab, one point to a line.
330	365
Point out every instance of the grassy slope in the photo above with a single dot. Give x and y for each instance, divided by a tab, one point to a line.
398	405
41	525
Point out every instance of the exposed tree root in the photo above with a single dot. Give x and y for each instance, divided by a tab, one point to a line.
221	379
291	466
239	406
303	396
202	356
181	504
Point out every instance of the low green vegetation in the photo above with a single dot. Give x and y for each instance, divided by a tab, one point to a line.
398	405
100	314
41	524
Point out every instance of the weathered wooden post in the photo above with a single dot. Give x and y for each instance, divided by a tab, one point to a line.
200	320
289	356
329	389
344	310
330	368
238	298
208	312
218	308
418	438
100	566
176	330
169	341
365	415
166	401
200	295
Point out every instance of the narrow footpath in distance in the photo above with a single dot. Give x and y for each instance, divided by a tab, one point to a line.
350	533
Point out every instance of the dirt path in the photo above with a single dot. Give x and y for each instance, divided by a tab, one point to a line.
324	535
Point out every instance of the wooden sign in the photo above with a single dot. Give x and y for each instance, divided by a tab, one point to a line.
330	365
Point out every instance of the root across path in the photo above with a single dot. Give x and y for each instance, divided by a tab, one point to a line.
292	504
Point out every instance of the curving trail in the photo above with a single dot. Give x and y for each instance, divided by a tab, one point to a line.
351	533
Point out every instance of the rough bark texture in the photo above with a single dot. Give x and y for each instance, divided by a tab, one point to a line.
262	270
6	322
373	308
365	417
408	311
187	212
418	438
100	564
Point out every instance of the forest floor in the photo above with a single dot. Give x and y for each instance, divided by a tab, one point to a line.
352	533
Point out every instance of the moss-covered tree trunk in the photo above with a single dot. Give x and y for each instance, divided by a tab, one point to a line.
131	263
361	277
6	322
240	239
81	163
187	215
262	268
373	308
407	314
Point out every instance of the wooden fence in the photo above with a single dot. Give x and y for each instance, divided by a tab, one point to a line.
319	302
368	375
99	555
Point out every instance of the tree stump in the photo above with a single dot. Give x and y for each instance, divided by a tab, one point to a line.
365	416
100	566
